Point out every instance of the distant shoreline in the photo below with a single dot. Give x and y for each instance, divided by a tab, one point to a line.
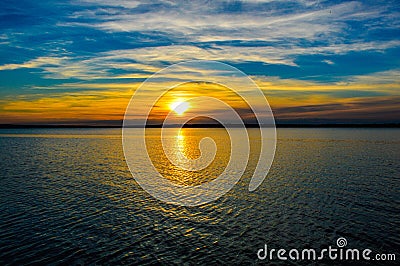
383	125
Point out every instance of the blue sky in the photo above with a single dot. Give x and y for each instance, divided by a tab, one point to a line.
315	60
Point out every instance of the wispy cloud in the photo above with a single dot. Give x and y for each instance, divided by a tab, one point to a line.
329	62
253	21
40	62
141	62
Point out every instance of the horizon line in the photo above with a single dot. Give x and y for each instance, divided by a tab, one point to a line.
277	125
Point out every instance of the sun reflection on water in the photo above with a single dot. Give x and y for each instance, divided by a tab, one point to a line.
185	142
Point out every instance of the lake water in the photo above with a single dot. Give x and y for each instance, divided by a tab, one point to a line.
67	197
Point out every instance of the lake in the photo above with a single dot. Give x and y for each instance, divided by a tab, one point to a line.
68	197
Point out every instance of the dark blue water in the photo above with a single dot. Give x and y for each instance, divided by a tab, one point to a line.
67	197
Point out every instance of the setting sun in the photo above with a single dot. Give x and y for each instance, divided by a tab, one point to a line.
179	107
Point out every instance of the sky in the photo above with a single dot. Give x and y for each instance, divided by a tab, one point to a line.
79	62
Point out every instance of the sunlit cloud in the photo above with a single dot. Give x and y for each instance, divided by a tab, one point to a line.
40	62
289	99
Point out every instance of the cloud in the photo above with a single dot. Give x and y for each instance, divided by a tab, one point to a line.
268	32
360	110
40	62
289	99
139	63
329	62
207	21
383	77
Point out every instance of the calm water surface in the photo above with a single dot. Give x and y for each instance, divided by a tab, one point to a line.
67	197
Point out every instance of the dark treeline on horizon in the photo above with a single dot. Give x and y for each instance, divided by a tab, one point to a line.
278	125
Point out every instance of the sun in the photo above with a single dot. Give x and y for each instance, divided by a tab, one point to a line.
179	107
